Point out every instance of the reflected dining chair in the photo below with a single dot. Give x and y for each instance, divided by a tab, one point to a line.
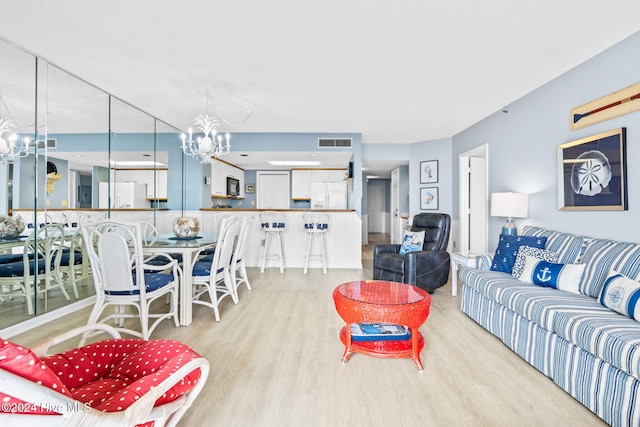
35	271
121	277
74	262
213	278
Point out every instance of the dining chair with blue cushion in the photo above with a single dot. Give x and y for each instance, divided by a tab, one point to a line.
213	278
35	271
122	279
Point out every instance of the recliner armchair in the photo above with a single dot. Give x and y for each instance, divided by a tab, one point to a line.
427	269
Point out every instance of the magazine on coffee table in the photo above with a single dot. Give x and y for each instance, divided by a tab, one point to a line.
379	332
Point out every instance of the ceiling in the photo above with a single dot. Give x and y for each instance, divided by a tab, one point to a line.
395	72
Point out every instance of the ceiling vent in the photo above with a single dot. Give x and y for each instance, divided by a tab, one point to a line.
334	142
52	143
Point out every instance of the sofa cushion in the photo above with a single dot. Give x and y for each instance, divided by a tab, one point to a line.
508	248
390	262
537	253
602	256
568	246
564	277
621	295
412	241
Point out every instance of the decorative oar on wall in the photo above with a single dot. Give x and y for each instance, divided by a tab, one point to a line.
617	104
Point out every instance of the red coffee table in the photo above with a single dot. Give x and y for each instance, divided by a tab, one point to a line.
377	301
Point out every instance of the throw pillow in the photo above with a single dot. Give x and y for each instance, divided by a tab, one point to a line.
621	294
538	253
412	241
508	248
564	277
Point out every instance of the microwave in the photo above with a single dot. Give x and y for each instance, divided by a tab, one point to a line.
233	187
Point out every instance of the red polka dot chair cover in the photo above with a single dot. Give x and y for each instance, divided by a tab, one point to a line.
116	382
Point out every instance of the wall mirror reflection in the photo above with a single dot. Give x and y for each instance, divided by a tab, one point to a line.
89	156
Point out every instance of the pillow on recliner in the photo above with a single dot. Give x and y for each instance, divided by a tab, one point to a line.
508	247
412	241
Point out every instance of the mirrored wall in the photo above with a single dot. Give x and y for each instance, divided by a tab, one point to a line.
86	154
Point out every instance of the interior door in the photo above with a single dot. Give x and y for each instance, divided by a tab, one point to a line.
374	209
272	190
477	205
396	222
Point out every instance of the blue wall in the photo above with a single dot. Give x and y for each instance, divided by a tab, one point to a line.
522	145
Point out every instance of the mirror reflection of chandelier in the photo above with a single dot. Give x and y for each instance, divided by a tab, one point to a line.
212	144
9	148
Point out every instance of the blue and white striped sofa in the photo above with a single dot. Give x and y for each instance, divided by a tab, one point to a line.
591	352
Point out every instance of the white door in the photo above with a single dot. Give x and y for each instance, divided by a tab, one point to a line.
396	222
473	207
272	190
477	205
374	209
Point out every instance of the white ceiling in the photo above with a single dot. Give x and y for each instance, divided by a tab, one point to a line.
396	72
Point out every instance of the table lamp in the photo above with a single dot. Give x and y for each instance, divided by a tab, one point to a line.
510	205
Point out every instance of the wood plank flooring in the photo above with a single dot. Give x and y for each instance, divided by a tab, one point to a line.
276	361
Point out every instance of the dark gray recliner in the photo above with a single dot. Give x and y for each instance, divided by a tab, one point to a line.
427	269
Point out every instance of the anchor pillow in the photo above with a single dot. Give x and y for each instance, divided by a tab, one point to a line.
564	277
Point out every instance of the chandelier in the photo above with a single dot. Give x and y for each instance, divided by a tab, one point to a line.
212	144
9	150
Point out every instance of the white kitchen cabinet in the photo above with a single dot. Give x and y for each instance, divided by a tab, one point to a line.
220	170
157	184
301	184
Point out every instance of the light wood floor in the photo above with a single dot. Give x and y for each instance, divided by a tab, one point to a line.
275	361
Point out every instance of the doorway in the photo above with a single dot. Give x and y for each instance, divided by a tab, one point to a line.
473	203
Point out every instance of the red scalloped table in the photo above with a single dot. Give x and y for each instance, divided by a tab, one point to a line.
383	302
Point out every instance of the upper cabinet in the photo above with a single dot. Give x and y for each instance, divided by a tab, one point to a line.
301	180
220	171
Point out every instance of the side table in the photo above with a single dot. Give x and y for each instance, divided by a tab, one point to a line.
460	259
378	301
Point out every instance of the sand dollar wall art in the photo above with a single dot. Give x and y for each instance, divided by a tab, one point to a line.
592	172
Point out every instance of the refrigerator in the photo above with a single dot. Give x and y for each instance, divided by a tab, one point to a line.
123	195
328	195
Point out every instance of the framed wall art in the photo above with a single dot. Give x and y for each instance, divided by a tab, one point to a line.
429	172
429	199
592	172
624	101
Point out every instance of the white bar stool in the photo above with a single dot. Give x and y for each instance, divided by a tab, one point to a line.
316	226
272	223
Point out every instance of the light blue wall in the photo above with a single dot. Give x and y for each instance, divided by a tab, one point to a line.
439	150
522	145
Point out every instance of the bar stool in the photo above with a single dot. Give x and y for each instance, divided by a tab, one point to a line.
272	223
316	226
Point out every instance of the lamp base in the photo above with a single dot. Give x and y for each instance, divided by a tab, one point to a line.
509	228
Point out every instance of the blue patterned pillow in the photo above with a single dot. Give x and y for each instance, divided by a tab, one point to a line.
564	277
412	242
508	247
525	251
621	294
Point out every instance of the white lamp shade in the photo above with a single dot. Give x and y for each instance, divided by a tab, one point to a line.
510	205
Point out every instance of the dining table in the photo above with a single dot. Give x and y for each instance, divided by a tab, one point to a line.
188	248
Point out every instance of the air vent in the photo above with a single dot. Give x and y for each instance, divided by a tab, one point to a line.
51	143
333	142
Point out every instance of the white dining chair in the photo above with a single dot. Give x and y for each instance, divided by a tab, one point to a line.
238	269
122	279
213	278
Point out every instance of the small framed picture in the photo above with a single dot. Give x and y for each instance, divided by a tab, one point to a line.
429	172
249	189
429	199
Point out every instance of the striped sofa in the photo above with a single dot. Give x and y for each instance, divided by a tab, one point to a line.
590	351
